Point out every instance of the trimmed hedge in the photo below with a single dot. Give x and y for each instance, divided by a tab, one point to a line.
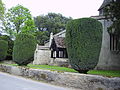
10	46
83	42
23	50
3	49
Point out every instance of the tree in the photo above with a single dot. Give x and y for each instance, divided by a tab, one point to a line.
41	37
2	10
3	49
18	20
112	12
51	22
24	47
83	42
10	46
29	26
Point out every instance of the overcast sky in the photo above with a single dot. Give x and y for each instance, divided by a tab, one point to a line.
68	8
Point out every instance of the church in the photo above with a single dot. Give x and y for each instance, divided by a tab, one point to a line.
54	52
109	58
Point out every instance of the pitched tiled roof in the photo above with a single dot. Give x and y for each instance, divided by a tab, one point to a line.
106	2
60	42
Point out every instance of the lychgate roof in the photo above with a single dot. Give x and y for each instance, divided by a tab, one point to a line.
60	42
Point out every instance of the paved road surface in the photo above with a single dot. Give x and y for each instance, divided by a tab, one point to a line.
9	82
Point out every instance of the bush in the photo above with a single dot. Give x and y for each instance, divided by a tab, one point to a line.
24	47
3	49
10	46
83	42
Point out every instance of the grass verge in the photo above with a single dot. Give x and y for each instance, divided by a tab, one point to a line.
108	73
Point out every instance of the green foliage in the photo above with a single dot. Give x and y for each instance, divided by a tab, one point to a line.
10	46
3	49
2	10
83	41
41	37
51	22
24	47
112	12
29	27
18	19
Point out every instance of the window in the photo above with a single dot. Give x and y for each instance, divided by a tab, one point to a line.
59	54
114	42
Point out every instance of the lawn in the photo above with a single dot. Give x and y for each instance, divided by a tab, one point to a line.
56	68
107	73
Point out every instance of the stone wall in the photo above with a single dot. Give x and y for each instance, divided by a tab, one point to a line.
42	55
59	62
7	62
75	80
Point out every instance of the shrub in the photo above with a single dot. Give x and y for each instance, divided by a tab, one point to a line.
10	46
3	49
23	50
83	42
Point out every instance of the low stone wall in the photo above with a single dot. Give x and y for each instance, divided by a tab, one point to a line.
76	80
7	62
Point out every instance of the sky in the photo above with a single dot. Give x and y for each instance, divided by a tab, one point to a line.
68	8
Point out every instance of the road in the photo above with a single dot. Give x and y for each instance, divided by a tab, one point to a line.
9	82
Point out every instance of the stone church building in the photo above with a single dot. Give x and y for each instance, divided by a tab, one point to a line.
54	52
109	57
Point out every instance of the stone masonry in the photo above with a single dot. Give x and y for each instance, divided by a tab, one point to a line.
74	80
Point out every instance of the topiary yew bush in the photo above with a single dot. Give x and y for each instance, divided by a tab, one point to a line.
23	50
83	42
10	46
3	49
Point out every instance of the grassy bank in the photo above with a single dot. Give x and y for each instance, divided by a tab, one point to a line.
108	73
